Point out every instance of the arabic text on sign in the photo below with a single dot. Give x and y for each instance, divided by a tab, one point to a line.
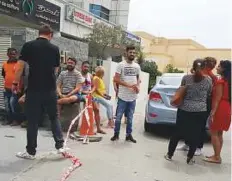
41	8
46	18
9	5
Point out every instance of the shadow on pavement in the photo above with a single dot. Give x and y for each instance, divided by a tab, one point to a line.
7	166
165	132
160	131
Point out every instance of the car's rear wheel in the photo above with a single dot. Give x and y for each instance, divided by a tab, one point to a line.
147	126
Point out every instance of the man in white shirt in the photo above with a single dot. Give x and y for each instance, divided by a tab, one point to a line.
127	77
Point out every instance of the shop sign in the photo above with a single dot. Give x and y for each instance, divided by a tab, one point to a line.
77	15
133	37
32	11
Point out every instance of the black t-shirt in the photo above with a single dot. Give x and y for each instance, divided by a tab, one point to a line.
42	58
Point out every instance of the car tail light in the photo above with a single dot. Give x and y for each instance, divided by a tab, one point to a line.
153	115
155	96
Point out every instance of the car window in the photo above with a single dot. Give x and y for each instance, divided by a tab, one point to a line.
169	80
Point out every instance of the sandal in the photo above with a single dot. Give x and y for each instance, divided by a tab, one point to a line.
210	156
110	125
101	132
212	160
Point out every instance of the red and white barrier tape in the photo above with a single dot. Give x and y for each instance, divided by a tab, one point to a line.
72	123
75	164
75	161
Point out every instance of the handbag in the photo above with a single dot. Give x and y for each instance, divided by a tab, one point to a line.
178	98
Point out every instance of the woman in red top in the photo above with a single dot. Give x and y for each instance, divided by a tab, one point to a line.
221	110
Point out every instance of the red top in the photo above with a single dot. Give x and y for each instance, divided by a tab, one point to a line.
222	118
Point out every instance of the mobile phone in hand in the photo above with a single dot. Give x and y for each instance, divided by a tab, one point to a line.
108	97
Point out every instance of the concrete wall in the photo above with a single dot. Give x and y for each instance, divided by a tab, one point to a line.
119	12
21	35
119	9
76	49
105	3
160	59
74	29
31	34
180	55
85	4
219	54
68	27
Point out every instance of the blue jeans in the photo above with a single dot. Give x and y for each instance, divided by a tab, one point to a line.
12	106
107	105
128	108
124	113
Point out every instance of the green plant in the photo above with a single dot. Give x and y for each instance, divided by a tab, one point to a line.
171	69
104	36
140	56
151	68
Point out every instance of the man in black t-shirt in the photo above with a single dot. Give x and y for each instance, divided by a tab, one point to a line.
43	59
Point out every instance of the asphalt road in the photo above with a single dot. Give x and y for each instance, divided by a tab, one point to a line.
107	161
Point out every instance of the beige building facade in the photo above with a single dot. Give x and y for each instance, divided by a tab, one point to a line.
179	52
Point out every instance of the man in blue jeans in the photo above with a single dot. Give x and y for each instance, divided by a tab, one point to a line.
11	98
127	77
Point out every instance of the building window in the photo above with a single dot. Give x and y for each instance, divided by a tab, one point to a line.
95	9
99	11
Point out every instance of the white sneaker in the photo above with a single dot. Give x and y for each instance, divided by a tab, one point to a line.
62	150
191	161
25	155
183	147
167	157
198	152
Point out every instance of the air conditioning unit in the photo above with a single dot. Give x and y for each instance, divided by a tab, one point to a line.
63	56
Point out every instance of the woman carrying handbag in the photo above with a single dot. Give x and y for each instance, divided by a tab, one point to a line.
190	99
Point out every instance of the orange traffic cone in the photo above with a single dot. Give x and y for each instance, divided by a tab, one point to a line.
87	120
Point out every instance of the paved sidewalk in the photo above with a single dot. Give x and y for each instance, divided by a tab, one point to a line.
107	161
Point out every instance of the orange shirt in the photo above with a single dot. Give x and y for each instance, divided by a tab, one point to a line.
10	69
